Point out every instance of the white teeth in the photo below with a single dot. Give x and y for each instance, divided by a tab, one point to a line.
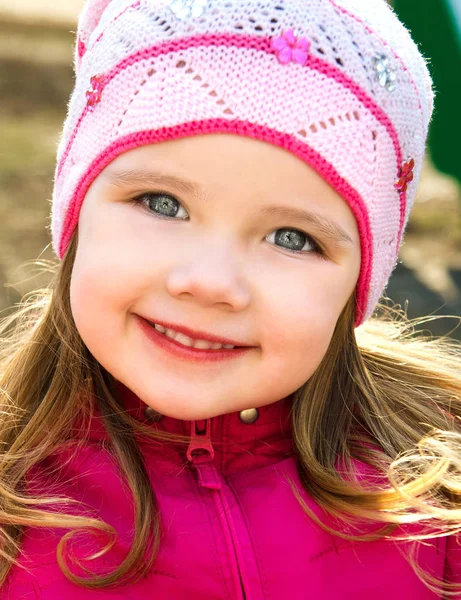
189	342
202	345
183	339
171	333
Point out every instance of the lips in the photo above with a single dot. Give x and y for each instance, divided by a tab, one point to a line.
185	340
195	336
188	353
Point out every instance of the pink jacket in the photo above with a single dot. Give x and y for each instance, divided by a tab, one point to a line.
232	528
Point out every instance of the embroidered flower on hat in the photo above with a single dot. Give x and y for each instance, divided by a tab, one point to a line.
290	48
183	9
93	94
405	176
385	74
81	48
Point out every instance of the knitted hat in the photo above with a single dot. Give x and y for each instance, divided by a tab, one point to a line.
339	83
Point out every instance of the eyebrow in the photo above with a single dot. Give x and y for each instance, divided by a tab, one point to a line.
330	229
127	177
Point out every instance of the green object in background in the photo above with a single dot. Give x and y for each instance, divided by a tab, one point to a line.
435	25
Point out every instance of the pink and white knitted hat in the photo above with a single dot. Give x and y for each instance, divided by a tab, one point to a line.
339	83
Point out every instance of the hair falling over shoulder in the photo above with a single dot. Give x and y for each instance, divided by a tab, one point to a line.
383	395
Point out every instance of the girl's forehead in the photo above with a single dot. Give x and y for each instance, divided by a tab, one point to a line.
220	159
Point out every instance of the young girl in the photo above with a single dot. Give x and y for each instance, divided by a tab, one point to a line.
204	405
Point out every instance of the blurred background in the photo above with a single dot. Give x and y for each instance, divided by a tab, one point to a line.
36	53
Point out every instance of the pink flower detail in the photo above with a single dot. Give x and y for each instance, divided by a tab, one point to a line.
290	48
93	95
81	48
405	176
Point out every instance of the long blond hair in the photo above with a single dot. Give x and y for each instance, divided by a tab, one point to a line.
382	394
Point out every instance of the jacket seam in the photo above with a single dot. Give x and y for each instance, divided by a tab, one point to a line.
212	544
261	571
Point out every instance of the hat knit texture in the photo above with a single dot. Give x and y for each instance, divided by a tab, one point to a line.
339	83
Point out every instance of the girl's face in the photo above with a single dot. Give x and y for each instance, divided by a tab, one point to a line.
215	243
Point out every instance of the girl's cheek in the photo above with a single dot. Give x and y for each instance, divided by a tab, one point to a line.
80	304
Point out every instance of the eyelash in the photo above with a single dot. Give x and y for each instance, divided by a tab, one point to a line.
317	249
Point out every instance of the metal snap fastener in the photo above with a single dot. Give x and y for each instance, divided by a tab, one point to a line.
249	416
152	414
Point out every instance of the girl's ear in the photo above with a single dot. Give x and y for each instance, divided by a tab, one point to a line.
88	21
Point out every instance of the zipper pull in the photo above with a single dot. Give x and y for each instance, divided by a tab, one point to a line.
201	454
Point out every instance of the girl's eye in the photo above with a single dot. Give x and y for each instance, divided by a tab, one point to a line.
167	206
162	204
297	240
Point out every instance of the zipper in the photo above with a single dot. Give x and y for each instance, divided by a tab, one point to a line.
200	453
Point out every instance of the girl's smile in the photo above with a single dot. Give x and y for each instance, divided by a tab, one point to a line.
240	243
181	349
197	339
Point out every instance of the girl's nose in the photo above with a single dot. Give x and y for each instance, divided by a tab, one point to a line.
212	276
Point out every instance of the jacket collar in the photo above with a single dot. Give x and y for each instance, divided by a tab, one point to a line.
226	439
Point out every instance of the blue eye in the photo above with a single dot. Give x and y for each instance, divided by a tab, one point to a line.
297	240
162	204
167	206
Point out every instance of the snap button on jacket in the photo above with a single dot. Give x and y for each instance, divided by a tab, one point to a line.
232	528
